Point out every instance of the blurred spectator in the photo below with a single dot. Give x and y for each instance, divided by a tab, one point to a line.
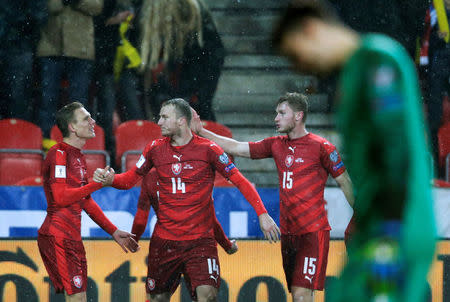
66	47
20	23
182	53
438	78
107	40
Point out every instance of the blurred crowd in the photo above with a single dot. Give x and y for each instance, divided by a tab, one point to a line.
127	56
123	56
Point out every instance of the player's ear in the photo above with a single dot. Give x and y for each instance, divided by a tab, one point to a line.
71	127
299	116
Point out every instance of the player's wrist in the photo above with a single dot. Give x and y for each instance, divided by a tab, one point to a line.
261	212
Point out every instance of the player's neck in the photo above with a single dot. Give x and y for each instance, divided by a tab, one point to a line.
76	142
181	139
297	132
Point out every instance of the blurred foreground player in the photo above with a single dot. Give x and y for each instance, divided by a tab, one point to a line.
149	197
68	192
304	161
185	165
379	115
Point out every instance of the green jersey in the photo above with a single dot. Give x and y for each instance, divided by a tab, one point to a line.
382	126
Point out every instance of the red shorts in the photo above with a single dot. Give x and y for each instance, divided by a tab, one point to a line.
196	259
305	259
65	261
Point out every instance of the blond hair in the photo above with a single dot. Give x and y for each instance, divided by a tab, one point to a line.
167	26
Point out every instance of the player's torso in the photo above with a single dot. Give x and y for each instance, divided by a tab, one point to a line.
302	179
185	182
299	165
64	221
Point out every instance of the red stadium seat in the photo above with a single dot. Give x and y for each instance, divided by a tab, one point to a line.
441	183
20	150
30	181
94	149
444	149
217	128
222	130
131	139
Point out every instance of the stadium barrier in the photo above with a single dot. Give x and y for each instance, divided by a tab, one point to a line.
23	209
253	274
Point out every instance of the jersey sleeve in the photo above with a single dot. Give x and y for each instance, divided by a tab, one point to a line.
144	164
147	198
63	194
220	236
331	160
95	212
221	161
127	180
262	148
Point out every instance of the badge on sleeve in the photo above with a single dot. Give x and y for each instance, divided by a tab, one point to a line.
140	162
60	171
224	158
334	156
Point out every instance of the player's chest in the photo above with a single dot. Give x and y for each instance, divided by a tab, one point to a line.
177	166
77	169
296	156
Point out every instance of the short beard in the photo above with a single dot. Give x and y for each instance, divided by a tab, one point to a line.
288	128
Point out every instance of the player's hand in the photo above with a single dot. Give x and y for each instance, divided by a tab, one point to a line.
126	241
108	176
104	176
99	175
234	247
196	123
269	228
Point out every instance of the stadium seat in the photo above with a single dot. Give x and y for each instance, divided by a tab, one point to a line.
30	181
94	149
441	183
444	149
217	128
20	150
131	139
223	130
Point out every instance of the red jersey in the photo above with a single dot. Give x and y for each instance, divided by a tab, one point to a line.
149	197
68	192
303	166
186	177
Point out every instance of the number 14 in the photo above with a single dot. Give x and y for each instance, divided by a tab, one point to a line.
178	185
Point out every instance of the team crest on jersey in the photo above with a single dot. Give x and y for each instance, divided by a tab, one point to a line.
176	168
289	160
334	156
151	284
77	281
224	158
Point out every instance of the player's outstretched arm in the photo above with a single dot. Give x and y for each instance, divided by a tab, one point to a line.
65	196
345	183
267	224
229	145
123	181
